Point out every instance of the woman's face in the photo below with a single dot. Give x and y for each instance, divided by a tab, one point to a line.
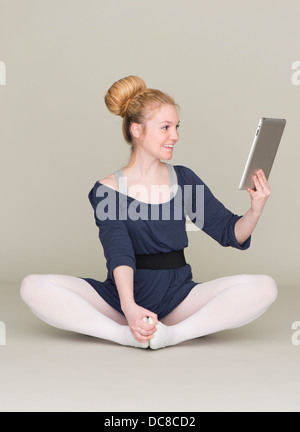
161	133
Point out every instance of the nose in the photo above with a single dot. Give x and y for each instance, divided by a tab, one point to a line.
174	135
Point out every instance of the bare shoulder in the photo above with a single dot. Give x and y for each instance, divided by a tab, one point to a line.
109	181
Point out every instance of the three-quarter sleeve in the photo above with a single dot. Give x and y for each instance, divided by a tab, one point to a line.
113	232
210	215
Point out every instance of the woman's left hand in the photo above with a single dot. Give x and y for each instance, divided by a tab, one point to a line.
262	191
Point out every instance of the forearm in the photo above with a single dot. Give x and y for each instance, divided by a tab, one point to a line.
246	225
135	314
259	196
124	278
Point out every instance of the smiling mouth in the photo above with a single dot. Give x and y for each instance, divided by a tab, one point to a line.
168	147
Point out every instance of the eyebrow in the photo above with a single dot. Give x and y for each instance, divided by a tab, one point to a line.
166	121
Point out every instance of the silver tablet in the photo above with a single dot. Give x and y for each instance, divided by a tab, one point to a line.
263	150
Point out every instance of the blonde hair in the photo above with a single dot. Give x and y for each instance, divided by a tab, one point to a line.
135	103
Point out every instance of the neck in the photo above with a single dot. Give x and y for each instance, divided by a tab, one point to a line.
142	165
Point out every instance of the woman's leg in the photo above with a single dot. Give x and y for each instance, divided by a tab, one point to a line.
70	303
214	306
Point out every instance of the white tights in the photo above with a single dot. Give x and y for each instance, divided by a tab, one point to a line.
70	303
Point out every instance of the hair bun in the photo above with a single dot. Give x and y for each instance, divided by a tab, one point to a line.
122	92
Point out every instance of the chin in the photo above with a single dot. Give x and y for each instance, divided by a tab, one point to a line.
168	157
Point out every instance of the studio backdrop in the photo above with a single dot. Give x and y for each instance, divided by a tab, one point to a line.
225	63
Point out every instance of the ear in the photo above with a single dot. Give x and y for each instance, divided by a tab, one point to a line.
136	130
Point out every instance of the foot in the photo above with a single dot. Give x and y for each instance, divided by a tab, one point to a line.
161	336
131	341
144	344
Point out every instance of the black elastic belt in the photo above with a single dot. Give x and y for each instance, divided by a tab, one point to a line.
161	261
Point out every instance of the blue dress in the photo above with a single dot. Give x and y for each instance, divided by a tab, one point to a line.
128	227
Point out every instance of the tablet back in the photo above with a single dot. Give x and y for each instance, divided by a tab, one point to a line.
263	150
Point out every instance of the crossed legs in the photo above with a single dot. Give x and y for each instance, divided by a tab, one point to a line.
221	304
70	303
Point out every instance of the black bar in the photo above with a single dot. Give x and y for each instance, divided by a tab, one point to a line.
161	261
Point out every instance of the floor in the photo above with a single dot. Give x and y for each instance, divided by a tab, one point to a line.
254	368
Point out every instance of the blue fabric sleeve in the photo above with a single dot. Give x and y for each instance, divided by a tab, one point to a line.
113	234
217	221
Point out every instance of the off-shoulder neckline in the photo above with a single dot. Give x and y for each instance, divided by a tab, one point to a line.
143	202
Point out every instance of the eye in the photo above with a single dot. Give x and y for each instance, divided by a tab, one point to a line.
167	127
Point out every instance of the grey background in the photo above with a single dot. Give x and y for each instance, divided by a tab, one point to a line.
226	64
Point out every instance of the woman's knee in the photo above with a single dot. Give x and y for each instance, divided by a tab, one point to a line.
30	286
270	288
266	289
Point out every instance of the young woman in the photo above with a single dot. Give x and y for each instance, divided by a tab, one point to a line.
149	298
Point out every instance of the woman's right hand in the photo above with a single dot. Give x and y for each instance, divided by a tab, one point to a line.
141	330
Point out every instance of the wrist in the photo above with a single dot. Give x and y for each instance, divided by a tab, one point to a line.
256	214
126	305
